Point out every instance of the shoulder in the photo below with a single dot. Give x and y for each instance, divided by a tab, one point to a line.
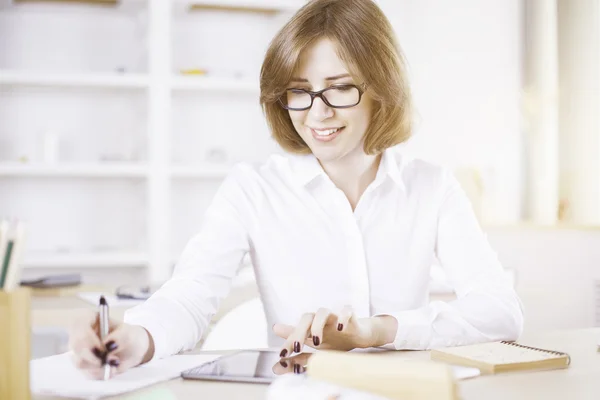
419	175
255	178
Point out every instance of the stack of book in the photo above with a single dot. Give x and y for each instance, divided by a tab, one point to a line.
12	243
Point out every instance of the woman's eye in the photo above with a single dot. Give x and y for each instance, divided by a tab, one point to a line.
344	88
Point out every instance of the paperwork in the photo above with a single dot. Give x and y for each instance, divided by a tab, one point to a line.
57	376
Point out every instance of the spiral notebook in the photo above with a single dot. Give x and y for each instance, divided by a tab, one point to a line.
497	357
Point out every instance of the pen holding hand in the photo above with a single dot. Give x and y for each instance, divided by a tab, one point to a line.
104	329
103	347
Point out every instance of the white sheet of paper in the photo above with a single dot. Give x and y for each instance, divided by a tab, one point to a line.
111	299
57	376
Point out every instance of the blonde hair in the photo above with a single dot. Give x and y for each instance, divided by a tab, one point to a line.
366	43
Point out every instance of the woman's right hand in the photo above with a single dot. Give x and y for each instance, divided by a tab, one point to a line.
126	346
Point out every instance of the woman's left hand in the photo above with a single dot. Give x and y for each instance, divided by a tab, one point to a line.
326	330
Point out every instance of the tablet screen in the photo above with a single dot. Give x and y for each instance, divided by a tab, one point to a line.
249	366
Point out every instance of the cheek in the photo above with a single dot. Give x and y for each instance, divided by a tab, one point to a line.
297	119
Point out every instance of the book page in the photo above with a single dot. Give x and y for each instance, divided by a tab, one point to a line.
498	353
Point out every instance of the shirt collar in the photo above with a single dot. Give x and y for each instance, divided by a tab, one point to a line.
391	165
306	168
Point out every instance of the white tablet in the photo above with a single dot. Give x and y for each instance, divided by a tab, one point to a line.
254	366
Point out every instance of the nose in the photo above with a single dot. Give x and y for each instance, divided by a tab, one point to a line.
320	111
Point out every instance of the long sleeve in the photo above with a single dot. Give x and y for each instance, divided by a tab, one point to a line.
486	308
179	312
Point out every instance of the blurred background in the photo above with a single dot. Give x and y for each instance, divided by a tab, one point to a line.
120	118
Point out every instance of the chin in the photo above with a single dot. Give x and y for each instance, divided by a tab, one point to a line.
327	154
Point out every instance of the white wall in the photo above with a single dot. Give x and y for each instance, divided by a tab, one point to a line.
465	65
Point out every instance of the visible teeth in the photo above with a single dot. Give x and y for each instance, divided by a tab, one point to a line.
326	132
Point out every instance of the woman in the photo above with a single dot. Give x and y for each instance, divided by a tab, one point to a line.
341	232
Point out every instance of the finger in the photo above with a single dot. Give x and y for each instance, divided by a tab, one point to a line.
117	341
283	331
322	317
87	345
85	362
283	366
295	341
344	318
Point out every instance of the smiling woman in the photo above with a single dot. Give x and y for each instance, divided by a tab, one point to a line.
348	39
342	231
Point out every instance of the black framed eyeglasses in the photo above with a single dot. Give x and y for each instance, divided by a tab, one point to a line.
338	96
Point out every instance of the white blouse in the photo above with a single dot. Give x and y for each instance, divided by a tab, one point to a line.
310	250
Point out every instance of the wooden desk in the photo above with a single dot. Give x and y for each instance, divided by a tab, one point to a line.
580	381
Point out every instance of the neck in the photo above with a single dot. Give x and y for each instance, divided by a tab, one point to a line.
353	173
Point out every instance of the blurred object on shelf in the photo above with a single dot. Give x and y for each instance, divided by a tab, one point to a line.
50	147
231	8
113	157
564	210
53	281
193	71
23	159
216	155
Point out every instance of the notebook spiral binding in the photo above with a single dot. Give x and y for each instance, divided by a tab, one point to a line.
558	353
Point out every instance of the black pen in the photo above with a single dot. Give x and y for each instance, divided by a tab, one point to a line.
103	312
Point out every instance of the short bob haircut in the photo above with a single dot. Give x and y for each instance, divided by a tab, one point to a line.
366	43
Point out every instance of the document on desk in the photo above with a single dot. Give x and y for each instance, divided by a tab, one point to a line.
57	376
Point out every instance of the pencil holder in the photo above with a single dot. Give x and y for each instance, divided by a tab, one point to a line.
15	327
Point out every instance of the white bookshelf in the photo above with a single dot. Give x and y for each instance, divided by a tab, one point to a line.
199	172
199	83
17	170
107	80
125	81
86	260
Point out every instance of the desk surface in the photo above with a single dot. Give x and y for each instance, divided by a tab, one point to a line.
580	381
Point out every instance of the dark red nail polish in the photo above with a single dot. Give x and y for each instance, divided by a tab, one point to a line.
110	346
98	353
296	368
297	347
316	340
340	327
283	353
114	363
283	364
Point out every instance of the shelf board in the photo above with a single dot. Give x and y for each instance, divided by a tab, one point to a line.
250	6
100	2
112	170
531	226
201	83
200	171
86	260
116	81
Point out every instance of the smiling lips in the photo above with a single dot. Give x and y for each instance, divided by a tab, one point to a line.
326	135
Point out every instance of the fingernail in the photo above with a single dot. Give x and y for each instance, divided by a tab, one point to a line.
114	363
296	368
316	340
283	353
297	347
110	346
283	364
98	353
340	327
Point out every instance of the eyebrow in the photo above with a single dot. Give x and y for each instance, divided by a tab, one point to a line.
330	78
